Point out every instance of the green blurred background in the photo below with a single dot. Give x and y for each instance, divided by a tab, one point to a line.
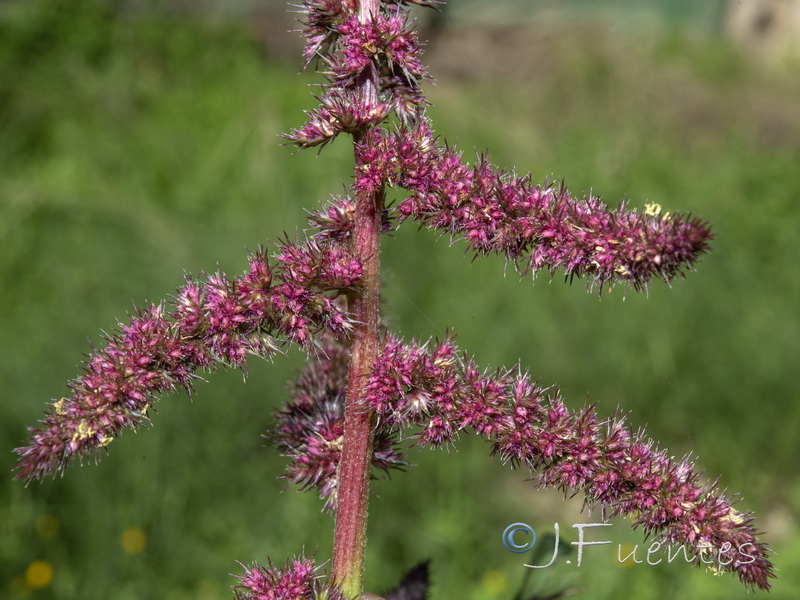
139	143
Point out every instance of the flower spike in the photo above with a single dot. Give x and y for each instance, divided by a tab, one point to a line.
209	322
442	392
538	227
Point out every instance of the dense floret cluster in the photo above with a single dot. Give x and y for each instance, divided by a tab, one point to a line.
537	227
442	392
212	320
310	427
298	580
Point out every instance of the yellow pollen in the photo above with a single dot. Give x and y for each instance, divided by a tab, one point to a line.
734	517
105	440
443	362
59	406
652	209
85	430
622	270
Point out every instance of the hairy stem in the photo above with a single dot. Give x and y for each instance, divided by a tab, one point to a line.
350	535
354	468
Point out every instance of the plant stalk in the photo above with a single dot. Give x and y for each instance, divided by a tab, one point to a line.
350	533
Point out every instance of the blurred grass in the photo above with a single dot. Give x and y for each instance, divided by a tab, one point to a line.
135	146
701	15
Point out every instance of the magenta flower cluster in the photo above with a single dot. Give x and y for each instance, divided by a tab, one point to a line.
309	429
538	227
384	50
211	320
443	393
298	580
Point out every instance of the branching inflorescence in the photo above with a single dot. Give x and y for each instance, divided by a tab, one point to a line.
363	389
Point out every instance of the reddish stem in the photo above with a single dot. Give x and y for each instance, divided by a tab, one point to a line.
350	535
354	467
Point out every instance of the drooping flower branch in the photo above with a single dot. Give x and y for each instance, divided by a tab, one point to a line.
441	391
210	321
538	227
